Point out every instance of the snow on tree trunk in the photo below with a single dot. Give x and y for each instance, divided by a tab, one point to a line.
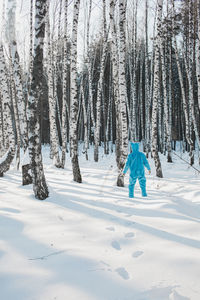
6	110
39	182
74	97
122	91
156	88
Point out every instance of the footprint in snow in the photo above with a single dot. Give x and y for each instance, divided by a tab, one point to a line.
116	245
137	253
175	296
110	228
123	273
129	235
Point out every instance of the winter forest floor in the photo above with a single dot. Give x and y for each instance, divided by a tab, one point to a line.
89	241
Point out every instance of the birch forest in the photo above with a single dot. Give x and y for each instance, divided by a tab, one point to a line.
96	74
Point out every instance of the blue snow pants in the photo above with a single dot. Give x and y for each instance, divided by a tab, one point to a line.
142	183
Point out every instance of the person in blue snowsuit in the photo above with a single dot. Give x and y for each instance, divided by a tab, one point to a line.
136	162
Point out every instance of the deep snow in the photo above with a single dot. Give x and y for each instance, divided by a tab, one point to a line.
89	241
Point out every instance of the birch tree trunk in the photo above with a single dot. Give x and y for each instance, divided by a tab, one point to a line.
184	100
166	108
39	182
52	95
147	86
74	97
85	119
122	90
21	107
6	106
65	111
115	71
198	52
100	88
189	72
156	95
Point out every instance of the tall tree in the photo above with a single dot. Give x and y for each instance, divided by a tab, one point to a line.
7	117
65	109
52	96
74	97
122	91
39	182
156	88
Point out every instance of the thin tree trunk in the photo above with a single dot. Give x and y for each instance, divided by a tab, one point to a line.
74	97
122	90
156	95
65	111
8	125
39	182
52	95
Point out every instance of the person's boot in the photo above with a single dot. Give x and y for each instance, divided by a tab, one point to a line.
144	193
131	194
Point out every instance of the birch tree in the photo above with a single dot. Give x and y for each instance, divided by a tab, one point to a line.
39	182
74	97
7	118
198	52
156	94
147	86
165	96
65	109
100	87
122	91
18	96
52	95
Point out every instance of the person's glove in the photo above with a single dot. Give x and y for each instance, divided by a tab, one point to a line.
149	172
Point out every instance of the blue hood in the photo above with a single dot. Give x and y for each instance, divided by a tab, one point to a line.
135	147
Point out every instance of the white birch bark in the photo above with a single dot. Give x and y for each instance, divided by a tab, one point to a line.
39	182
6	106
21	107
74	97
65	112
122	90
189	72
52	95
156	88
198	52
16	81
30	45
147	86
100	88
115	72
165	96
85	122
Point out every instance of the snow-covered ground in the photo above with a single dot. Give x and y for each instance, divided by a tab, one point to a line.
89	241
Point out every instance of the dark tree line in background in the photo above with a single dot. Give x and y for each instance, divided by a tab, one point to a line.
129	86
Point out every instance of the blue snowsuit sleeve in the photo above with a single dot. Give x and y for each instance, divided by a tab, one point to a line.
145	162
126	165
